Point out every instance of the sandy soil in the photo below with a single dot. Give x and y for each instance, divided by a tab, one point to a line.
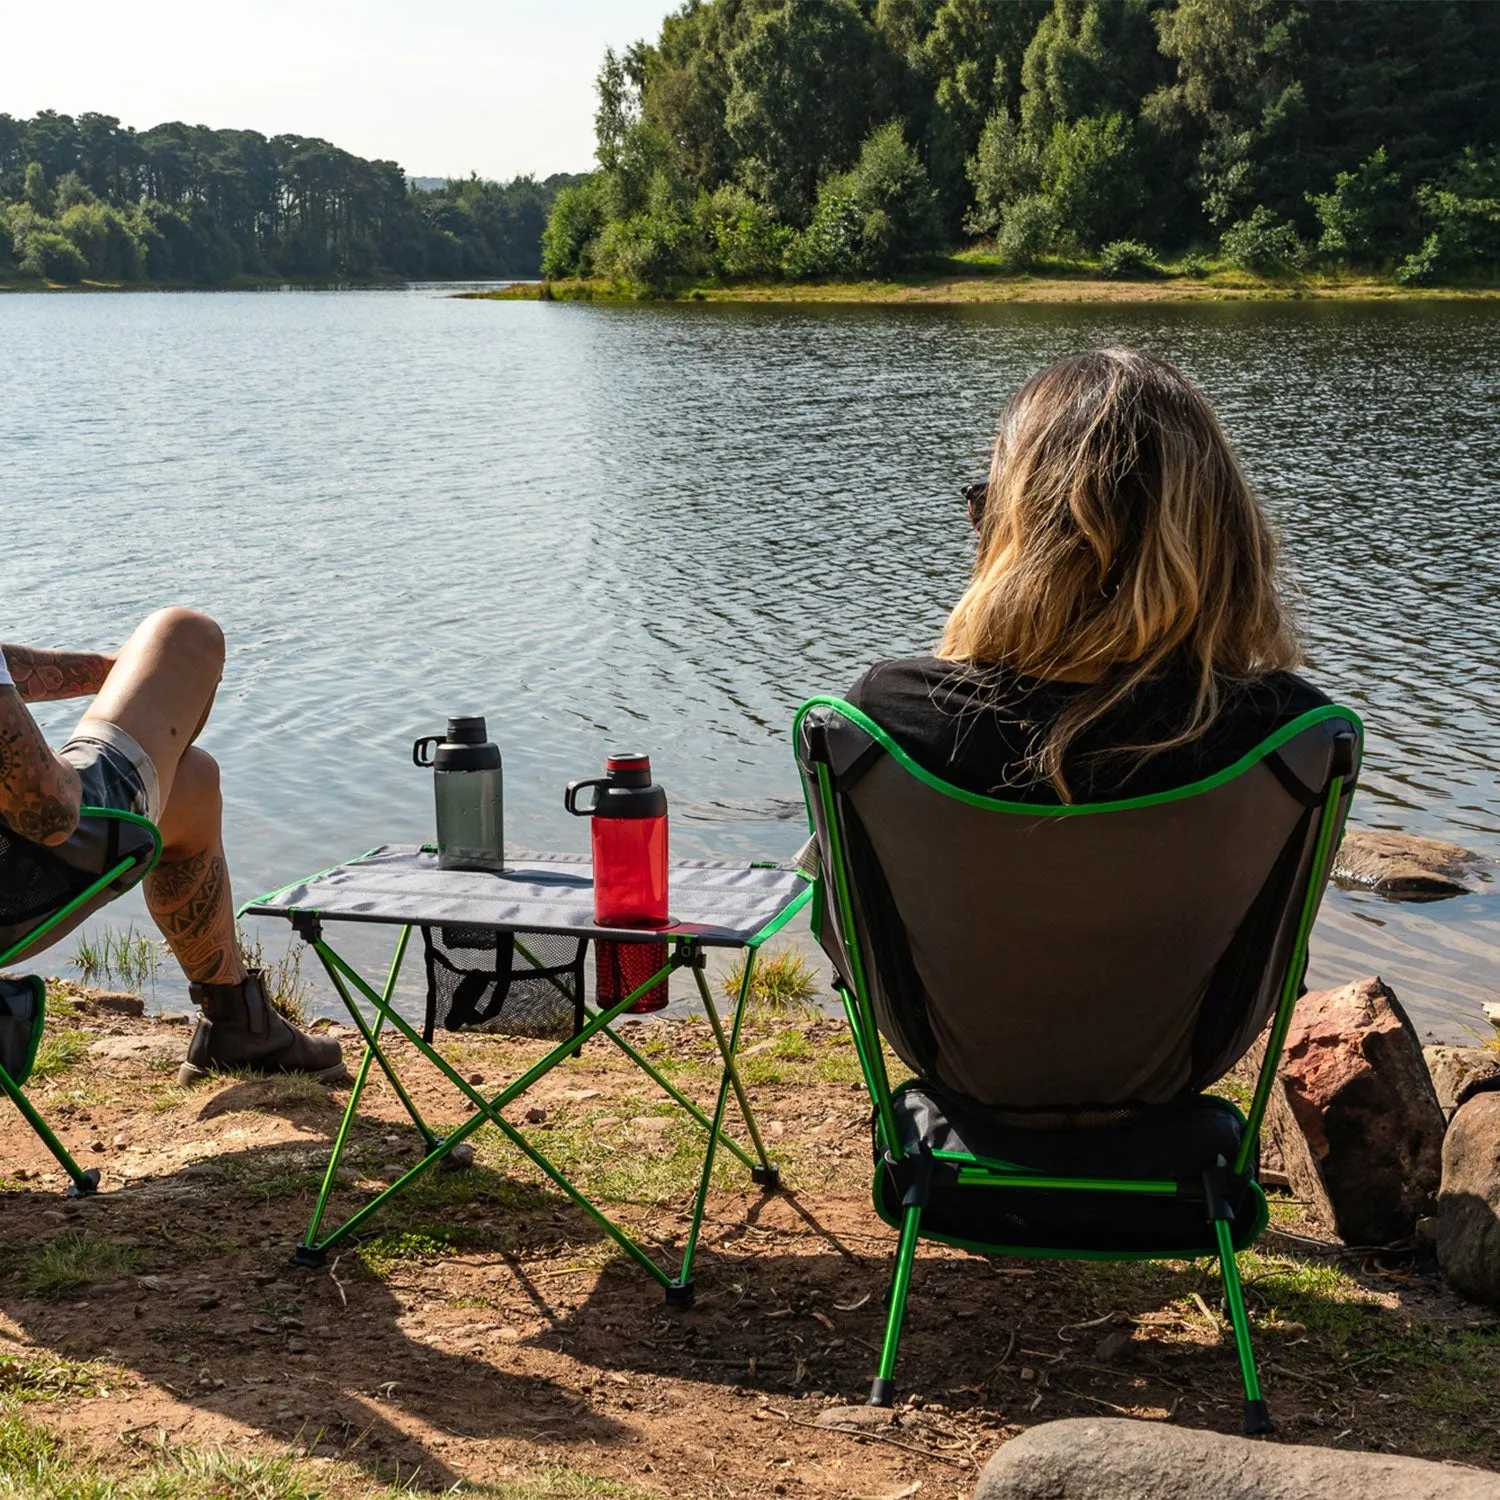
487	1330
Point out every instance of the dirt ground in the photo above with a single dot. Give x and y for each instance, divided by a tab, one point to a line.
485	1334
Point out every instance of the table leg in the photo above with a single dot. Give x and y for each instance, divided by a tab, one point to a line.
489	1109
309	1252
680	1292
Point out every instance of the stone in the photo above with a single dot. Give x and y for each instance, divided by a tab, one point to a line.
1112	1458
121	1002
1354	1114
137	1048
1453	1069
1468	1212
856	1416
1403	866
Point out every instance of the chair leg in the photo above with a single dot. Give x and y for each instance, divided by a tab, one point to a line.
883	1388
1257	1415
82	1183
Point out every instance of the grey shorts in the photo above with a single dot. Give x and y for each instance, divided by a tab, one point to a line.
36	882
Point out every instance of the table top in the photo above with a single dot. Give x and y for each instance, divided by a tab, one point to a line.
718	904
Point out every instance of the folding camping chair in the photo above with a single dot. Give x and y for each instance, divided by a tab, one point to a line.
1060	1038
42	897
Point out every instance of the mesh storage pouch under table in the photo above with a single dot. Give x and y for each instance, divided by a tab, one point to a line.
509	983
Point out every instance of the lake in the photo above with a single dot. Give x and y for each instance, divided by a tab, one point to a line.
661	527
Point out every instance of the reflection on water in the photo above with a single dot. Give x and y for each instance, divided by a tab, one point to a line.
667	525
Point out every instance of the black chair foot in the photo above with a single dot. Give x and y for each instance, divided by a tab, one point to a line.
85	1186
680	1294
311	1256
1257	1419
882	1392
767	1177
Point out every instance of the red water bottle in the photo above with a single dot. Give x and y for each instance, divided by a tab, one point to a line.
629	837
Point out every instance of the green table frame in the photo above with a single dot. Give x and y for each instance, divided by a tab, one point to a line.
685	952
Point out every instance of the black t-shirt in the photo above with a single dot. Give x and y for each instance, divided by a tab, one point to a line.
976	728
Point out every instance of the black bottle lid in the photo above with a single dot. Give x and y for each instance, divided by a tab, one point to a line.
466	729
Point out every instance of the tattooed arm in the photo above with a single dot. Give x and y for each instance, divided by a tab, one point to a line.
42	676
39	794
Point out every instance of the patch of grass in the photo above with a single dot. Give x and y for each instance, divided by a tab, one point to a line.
127	958
381	1256
36	1464
791	1046
43	1375
1314	1292
782	983
840	1065
286	989
74	1259
58	1051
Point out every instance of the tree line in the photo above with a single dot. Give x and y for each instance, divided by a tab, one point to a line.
813	138
88	198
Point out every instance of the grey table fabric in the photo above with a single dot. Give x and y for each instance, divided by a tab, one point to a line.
721	905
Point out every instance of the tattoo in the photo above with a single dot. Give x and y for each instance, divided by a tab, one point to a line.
43	676
189	901
38	793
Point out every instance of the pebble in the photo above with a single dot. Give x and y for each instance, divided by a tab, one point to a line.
476	1078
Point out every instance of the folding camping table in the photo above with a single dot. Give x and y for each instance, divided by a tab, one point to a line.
733	906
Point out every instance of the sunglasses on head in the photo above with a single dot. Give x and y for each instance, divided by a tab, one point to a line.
974	496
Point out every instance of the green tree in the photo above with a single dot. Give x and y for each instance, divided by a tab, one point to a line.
37	194
1091	172
1361	216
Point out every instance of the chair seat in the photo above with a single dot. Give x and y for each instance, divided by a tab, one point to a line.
1174	1143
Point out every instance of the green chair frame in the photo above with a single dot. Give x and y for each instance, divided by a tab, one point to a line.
913	1171
81	1183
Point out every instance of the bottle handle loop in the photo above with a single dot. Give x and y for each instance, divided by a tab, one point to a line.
570	797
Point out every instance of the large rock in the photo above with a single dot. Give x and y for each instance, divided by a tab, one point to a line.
1402	865
1108	1458
1454	1069
1354	1114
1468	1216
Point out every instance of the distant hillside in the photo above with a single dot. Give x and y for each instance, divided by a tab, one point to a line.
88	198
835	138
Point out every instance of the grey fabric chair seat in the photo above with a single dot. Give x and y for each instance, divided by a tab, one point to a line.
1176	1142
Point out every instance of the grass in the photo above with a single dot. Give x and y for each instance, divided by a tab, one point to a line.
37	1464
286	988
123	958
58	1051
42	1375
782	983
75	1259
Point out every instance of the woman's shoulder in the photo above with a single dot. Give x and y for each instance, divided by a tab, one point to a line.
1280	697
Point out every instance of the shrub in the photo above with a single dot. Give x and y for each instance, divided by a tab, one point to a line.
870	218
103	238
1463	208
1425	265
573	227
1263	244
1125	258
741	236
53	256
1002	170
644	249
1026	232
1361	216
1091	172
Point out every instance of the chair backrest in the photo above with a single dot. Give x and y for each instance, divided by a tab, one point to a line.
1079	958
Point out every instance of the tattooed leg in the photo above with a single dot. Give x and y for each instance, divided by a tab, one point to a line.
188	893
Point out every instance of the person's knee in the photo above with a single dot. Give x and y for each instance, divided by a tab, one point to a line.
193	640
196	799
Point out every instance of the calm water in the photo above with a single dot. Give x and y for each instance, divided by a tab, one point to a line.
667	525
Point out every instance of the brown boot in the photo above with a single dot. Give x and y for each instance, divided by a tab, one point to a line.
240	1029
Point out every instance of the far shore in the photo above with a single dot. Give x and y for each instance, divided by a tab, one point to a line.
980	284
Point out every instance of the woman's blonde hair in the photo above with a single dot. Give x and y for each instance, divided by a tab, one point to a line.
1120	538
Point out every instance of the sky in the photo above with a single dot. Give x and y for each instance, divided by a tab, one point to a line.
446	88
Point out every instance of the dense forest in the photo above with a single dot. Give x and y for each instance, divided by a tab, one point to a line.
88	198
819	138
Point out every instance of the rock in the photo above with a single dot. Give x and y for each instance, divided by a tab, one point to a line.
1354	1115
1110	1458
137	1048
1468	1215
856	1416
1404	866
1453	1069
120	1002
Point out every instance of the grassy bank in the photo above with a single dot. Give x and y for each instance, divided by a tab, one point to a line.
974	276
155	1342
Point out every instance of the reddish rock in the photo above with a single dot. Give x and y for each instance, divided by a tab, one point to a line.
1468	1216
1354	1114
1404	866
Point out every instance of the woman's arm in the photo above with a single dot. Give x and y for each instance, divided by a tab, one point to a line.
42	676
39	794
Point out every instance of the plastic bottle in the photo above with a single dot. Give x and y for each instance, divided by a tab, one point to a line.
468	788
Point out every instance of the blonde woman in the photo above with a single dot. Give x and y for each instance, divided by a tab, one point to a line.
1123	632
